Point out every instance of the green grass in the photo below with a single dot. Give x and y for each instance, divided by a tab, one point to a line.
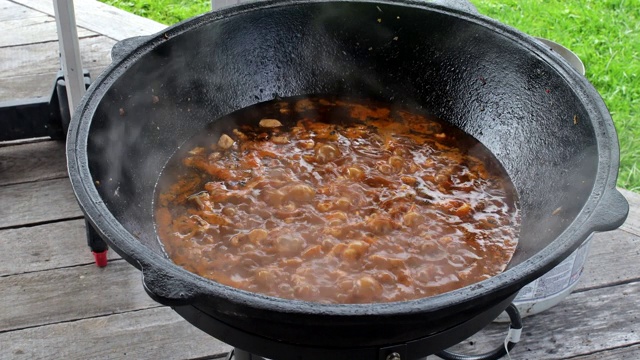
163	11
605	34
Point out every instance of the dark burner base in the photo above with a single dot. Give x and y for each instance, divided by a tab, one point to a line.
513	337
417	349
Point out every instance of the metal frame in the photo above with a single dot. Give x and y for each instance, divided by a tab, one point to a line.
69	51
38	117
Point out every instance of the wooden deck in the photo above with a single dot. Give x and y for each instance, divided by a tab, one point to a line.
56	304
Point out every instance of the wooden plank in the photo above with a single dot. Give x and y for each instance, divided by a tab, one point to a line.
157	333
33	30
34	161
31	162
599	242
586	322
102	18
614	258
549	336
45	247
63	244
632	224
12	11
49	297
37	85
37	202
609	245
44	58
10	24
23	141
624	353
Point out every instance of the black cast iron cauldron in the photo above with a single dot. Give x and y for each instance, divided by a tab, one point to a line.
543	121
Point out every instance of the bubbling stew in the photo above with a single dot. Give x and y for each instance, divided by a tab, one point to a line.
337	201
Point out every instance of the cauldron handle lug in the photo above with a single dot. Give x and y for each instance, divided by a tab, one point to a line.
126	46
611	212
165	288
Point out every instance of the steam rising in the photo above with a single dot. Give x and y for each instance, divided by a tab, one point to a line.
459	71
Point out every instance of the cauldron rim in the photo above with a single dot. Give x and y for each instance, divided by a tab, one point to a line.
602	211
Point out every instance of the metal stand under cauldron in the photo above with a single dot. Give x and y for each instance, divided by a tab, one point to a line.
513	337
419	349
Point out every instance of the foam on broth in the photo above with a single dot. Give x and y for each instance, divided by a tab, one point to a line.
337	201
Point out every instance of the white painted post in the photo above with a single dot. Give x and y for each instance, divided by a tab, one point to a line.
70	51
217	4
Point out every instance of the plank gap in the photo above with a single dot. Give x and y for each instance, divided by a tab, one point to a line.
38	87
16	32
24	141
47	247
109	262
157	333
37	161
45	222
9	10
46	42
44	58
604	351
95	16
72	294
79	319
597	320
55	177
211	357
612	283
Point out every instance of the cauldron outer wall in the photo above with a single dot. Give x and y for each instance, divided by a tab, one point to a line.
492	88
486	81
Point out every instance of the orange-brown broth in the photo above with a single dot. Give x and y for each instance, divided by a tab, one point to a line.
346	202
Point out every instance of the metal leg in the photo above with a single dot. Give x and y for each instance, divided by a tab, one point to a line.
70	51
98	247
74	84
